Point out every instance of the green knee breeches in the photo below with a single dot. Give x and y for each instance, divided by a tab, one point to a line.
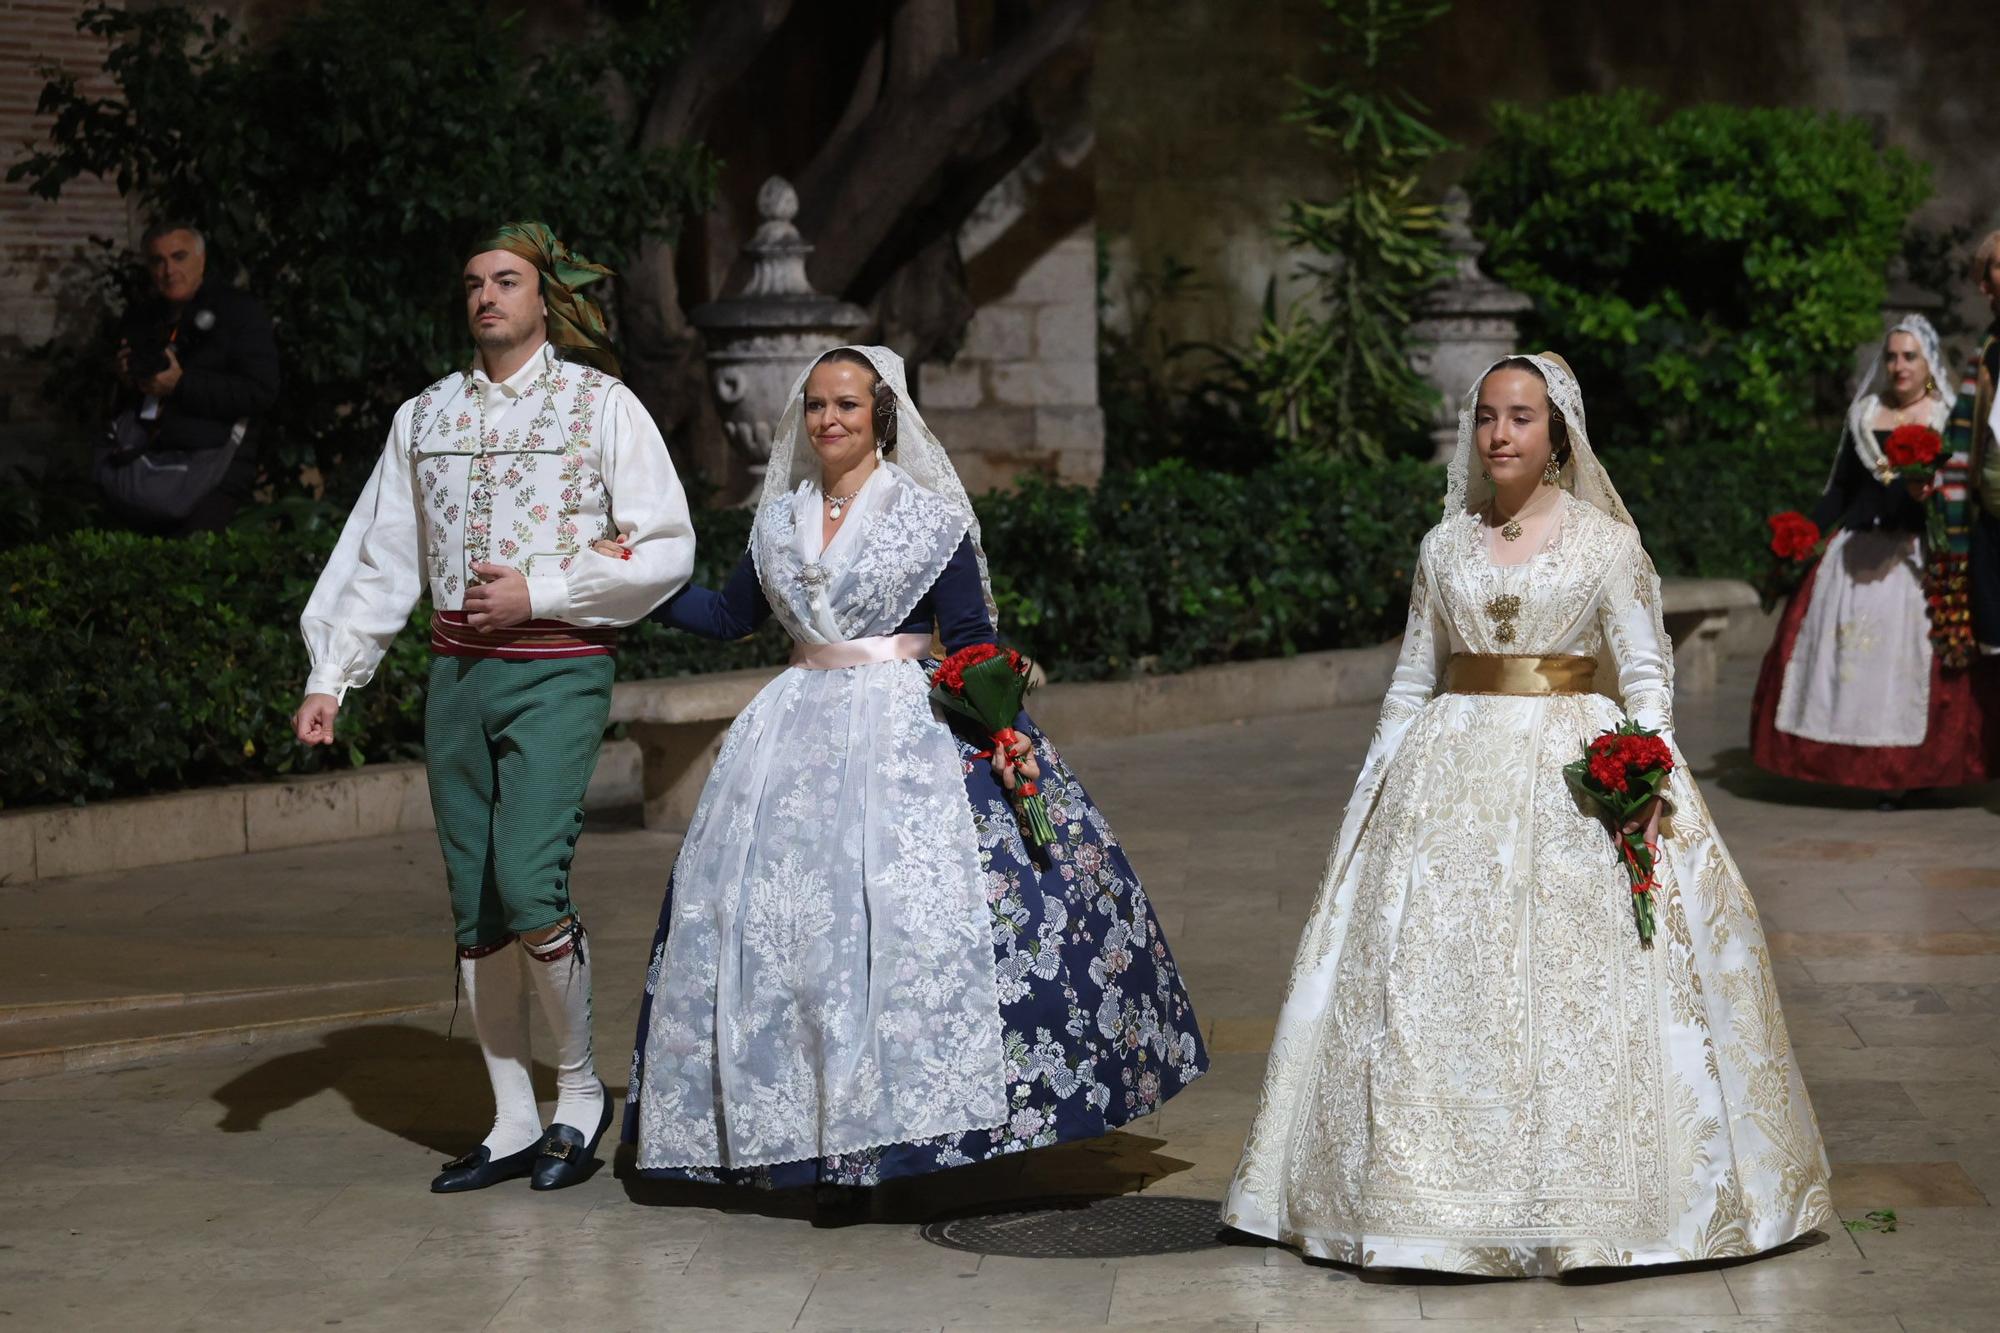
509	748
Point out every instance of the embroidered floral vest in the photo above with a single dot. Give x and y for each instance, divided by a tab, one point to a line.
531	494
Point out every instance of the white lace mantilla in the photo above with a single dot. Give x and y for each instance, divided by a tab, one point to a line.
1478	1067
827	983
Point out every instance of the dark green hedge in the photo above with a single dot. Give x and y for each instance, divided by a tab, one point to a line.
1170	566
1709	273
137	664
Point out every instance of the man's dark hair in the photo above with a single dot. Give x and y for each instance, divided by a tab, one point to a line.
166	227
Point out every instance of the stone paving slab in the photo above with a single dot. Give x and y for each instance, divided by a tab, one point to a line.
281	1186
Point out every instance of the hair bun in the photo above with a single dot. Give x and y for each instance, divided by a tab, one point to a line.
885	415
1557	357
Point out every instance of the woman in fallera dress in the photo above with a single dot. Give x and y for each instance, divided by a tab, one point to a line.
1479	1066
861	970
1853	691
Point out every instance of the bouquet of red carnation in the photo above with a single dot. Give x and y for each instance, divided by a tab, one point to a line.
1913	451
1620	773
1795	540
984	684
1793	536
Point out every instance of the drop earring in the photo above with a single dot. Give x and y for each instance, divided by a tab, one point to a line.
1552	475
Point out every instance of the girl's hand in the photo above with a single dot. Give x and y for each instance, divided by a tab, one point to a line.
1648	819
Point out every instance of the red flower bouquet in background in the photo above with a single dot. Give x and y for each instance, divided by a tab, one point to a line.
1621	773
1793	535
1795	541
1913	451
985	684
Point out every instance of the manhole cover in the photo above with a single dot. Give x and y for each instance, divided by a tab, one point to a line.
1086	1229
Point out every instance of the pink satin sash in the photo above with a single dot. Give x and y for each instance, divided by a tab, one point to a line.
861	652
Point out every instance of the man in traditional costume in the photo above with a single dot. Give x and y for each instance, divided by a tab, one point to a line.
494	482
1975	425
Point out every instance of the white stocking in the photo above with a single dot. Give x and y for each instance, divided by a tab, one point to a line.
561	969
498	993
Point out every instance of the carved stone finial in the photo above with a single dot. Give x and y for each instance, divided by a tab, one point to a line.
759	338
1463	324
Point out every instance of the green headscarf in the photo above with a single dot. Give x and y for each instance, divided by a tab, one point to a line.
576	323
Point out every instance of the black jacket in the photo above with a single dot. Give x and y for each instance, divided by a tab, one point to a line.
1857	501
229	364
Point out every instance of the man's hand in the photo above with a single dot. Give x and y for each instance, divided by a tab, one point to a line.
163	383
313	723
499	599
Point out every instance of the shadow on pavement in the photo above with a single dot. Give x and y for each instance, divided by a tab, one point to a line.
1733	771
408	1081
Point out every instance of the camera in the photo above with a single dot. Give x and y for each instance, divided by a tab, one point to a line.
146	362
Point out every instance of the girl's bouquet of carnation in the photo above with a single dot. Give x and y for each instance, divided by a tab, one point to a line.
1796	541
1621	773
984	685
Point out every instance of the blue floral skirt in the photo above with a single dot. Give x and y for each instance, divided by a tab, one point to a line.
1099	1030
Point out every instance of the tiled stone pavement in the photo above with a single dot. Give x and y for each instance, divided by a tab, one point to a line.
282	1186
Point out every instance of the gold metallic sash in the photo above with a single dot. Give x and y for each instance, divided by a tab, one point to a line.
1510	673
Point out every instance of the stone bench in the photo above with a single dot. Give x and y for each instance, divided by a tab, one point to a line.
678	723
1699	614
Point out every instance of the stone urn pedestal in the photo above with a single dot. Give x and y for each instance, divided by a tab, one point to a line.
1463	325
759	339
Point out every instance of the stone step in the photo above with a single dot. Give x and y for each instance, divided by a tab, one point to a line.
66	1035
44	1010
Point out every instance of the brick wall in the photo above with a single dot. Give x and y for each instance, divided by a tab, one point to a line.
1021	396
38	238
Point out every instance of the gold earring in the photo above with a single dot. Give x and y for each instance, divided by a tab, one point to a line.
1484	475
1552	475
1930	384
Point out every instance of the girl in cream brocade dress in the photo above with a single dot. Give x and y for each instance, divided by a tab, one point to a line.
1478	1066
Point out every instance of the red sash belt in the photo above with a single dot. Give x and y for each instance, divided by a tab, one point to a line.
530	641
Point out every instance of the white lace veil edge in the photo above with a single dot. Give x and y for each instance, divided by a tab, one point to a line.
918	452
1466	489
1861	411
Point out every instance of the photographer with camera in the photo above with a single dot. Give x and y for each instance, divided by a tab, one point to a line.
196	365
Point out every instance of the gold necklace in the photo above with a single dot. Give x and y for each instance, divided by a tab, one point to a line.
1902	414
1511	530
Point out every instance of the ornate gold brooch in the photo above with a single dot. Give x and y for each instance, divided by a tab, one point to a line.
1504	610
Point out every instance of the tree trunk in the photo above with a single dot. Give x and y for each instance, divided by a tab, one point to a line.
932	97
664	355
912	153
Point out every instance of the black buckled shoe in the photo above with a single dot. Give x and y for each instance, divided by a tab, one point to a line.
479	1168
563	1158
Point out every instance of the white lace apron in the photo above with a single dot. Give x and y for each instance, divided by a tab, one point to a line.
1860	670
827	983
